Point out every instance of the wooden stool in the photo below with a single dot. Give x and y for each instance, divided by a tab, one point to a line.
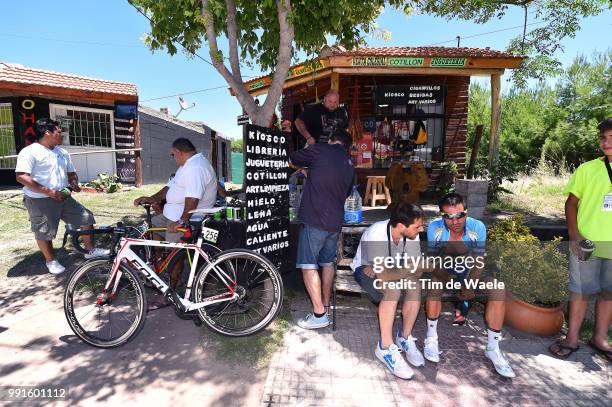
376	190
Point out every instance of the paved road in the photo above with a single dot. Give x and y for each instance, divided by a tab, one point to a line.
167	364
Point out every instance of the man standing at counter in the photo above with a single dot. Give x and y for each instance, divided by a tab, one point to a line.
330	176
319	122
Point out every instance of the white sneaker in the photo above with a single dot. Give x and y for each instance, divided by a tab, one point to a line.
431	350
97	252
312	322
500	363
392	358
413	354
55	267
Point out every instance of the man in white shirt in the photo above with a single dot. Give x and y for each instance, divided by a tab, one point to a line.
48	176
388	262
193	186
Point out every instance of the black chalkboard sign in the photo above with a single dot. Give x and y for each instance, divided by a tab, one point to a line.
267	193
409	95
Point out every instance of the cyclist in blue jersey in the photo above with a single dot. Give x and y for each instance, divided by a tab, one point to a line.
459	237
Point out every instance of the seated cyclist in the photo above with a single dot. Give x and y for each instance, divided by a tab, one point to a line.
459	236
193	186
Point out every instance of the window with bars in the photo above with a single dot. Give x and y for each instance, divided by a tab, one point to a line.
86	128
7	137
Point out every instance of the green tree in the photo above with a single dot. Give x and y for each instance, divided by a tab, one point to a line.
237	146
561	20
266	31
555	123
584	99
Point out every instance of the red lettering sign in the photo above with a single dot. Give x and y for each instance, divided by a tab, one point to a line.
31	118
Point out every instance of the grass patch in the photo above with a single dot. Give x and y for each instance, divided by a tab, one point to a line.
539	192
17	241
255	350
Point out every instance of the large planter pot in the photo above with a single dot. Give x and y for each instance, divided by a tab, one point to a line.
532	319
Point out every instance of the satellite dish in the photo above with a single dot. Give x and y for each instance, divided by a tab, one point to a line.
184	105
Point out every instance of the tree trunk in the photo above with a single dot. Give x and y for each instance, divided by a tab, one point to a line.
259	115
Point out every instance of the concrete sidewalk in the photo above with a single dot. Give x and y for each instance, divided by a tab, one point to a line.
169	362
166	364
325	368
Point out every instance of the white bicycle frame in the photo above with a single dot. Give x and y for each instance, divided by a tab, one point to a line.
126	255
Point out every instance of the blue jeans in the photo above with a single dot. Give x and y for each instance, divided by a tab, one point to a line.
367	283
316	248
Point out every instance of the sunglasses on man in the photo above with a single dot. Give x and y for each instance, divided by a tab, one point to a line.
457	215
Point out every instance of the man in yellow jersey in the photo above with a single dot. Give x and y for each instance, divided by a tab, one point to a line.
588	211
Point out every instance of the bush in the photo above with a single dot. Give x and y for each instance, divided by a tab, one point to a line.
507	169
448	173
105	183
534	271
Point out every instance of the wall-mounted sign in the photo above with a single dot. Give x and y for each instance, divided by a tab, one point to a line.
267	194
242	119
300	70
369	61
29	110
306	69
259	84
409	95
405	61
448	62
435	62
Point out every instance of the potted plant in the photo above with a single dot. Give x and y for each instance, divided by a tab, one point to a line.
534	273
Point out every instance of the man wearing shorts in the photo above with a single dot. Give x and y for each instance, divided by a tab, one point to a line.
330	175
193	186
459	237
48	177
398	236
588	211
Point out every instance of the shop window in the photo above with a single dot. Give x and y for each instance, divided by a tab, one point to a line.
84	127
408	130
7	137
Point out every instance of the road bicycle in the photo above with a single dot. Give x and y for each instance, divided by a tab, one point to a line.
161	260
238	292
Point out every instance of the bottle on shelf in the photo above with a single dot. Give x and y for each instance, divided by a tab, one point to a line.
353	207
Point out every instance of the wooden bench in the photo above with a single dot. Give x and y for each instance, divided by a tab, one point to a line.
345	282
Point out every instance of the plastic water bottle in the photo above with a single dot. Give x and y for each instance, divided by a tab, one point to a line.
352	207
294	192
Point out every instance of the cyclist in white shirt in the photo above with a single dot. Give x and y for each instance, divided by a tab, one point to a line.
384	283
193	186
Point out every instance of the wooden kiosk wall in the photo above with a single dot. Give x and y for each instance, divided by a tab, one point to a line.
455	122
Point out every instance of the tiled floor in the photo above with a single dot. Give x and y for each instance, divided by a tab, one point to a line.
325	368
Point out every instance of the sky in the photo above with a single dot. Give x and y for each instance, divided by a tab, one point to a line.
103	39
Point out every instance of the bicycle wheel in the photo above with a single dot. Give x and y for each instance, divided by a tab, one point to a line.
259	287
109	323
102	237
